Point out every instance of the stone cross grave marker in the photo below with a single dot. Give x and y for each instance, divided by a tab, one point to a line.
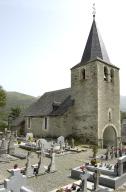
42	143
52	167
72	143
112	152
29	169
96	176
7	134
3	147
41	168
60	140
11	147
84	178
16	181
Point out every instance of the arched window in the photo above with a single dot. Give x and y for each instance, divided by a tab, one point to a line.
105	73
112	75
82	74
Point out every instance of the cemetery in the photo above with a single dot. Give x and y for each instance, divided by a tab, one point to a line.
104	172
72	137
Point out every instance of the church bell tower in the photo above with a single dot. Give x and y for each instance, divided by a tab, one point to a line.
95	89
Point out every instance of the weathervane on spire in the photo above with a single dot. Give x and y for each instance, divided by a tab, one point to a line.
94	10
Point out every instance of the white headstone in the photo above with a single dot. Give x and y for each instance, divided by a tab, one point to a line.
60	140
43	144
16	181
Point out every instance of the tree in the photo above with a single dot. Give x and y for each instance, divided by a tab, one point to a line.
2	97
94	150
15	112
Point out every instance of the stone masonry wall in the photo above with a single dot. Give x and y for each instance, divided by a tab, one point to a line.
38	126
61	125
85	93
108	100
56	125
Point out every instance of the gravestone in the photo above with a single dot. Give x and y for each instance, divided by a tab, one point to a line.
8	134
112	152
16	181
29	169
41	167
3	147
96	176
52	167
61	147
72	143
42	143
83	185
60	140
1	135
11	147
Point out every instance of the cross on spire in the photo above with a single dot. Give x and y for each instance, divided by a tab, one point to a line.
94	10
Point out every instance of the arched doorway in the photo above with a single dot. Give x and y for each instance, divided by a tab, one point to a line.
109	137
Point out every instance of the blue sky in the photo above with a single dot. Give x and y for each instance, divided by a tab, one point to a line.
40	40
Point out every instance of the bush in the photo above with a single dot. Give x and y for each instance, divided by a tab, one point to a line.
3	125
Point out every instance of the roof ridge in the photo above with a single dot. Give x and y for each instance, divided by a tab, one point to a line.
57	90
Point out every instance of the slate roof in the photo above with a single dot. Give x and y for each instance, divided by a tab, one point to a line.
44	105
95	47
63	107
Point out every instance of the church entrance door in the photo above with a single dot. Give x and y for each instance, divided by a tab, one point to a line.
109	137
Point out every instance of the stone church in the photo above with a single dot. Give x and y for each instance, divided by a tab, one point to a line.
90	107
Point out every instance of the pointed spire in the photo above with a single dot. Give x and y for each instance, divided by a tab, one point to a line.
94	47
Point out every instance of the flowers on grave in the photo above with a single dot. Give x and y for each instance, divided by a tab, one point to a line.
94	162
67	189
30	139
82	167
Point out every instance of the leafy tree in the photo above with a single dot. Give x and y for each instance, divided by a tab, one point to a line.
15	112
94	150
2	97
